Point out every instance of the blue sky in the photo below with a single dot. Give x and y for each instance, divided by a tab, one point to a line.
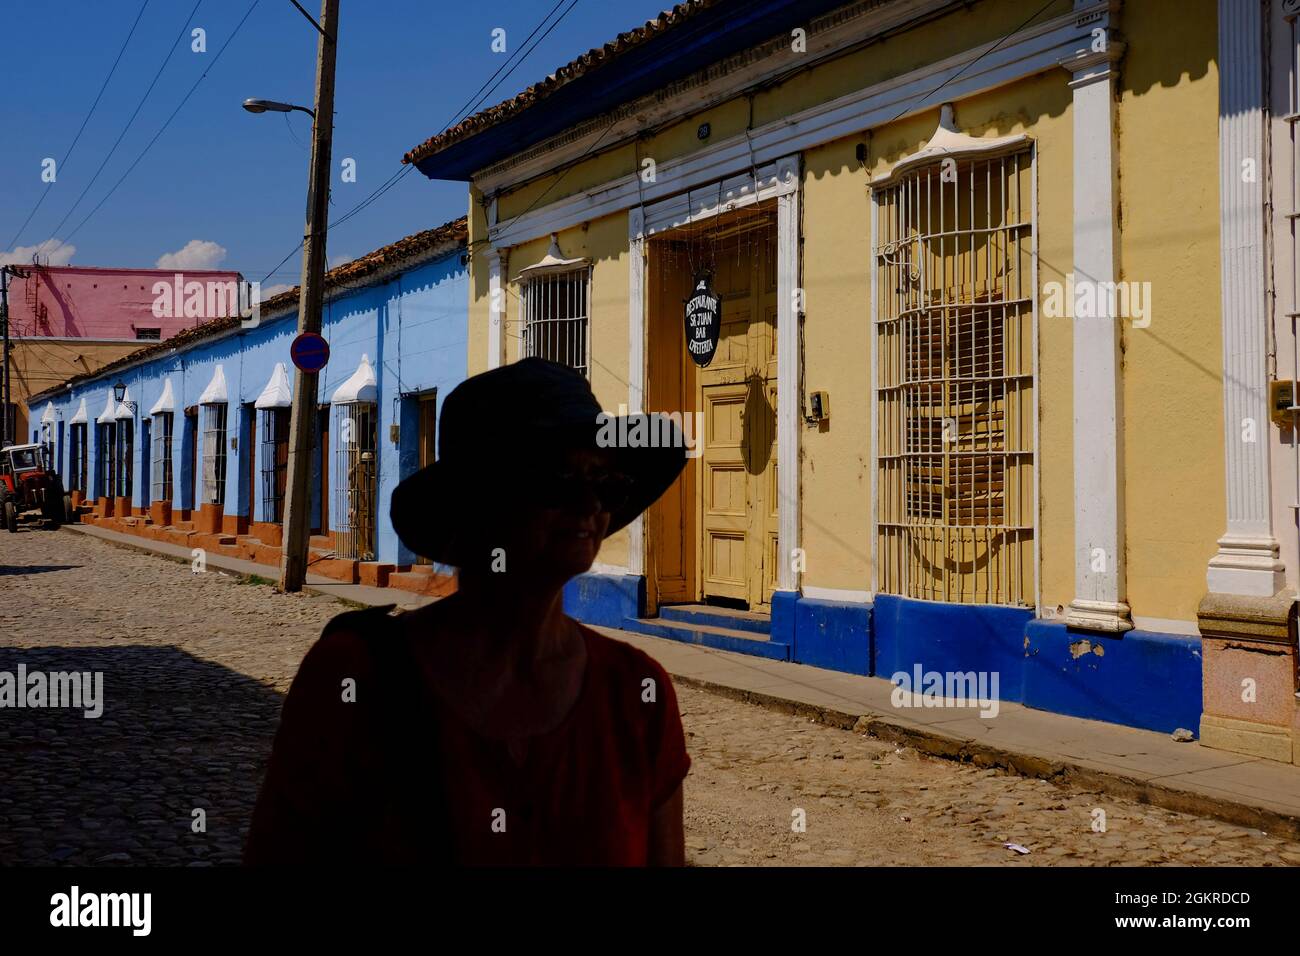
219	176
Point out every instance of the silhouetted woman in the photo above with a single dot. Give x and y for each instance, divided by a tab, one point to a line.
489	727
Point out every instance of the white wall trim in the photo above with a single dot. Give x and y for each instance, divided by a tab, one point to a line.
1099	554
789	401
636	337
496	308
609	569
838	594
1037	49
1247	561
827	37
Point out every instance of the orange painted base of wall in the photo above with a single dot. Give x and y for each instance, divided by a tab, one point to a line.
267	532
160	513
208	519
234	524
122	507
417	580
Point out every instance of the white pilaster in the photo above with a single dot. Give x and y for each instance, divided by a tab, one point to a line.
1247	560
496	308
636	360
788	359
1100	598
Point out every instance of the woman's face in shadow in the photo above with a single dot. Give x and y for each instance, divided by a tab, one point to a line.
549	527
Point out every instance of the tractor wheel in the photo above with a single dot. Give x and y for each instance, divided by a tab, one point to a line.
69	515
11	517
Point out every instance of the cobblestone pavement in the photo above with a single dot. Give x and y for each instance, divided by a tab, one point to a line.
195	666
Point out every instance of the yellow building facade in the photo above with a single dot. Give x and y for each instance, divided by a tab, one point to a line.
991	383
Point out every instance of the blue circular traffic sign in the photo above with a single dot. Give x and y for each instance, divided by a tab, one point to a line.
309	352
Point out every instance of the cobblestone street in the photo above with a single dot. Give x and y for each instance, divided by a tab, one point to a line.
195	666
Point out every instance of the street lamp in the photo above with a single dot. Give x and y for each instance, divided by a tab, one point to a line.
119	393
254	105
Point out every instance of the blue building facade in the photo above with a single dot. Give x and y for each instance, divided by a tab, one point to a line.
202	428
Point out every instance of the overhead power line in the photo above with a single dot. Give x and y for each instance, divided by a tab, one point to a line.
68	155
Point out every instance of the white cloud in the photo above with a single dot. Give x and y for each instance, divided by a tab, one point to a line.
275	289
52	252
341	259
195	254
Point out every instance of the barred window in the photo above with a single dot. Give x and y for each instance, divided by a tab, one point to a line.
214	454
275	461
107	452
357	464
555	317
125	454
162	456
955	405
77	458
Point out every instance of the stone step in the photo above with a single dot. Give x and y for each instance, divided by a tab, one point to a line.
723	638
724	617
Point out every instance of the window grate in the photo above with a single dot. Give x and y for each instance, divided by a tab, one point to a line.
125	453
556	318
954	344
77	458
357	467
107	460
275	461
162	457
214	454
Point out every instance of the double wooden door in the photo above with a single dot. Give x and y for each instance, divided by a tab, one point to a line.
715	534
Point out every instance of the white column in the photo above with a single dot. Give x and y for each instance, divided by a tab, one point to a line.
788	358
496	259
1247	560
1100	598
636	361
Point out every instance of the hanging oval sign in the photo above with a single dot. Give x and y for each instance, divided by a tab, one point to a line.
703	321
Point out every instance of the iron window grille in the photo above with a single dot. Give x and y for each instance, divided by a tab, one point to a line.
214	454
162	456
356	473
955	401
125	452
107	459
274	461
556	319
77	458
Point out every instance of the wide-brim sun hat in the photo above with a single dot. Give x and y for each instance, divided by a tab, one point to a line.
497	426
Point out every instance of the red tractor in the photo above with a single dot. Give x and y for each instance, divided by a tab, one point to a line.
29	483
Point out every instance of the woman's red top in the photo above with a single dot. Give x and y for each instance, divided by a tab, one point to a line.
582	793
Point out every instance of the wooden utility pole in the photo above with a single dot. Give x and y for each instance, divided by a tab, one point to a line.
297	503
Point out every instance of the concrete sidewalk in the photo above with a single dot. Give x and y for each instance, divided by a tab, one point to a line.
1138	764
316	583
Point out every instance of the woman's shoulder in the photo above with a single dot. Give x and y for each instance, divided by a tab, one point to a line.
348	642
619	661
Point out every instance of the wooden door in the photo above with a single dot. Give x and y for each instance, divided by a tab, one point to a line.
737	395
428	444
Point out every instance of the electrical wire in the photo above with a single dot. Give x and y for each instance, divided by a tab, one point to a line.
68	155
168	122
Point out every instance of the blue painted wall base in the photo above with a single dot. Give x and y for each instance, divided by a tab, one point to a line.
605	599
1139	679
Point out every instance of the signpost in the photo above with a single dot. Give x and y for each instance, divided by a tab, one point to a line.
309	352
703	321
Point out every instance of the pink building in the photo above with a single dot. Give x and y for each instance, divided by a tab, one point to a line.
70	320
88	302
